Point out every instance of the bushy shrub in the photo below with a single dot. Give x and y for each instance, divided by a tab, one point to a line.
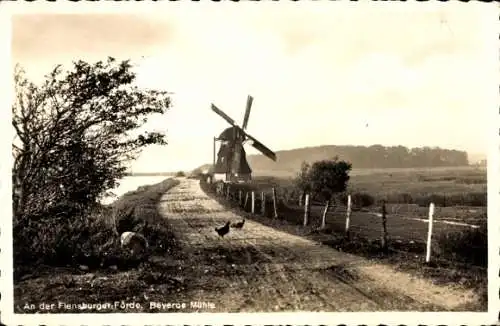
470	245
425	200
476	199
93	239
137	212
65	241
197	174
399	198
180	174
289	194
360	199
323	179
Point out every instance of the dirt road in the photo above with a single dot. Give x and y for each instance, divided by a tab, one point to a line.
259	268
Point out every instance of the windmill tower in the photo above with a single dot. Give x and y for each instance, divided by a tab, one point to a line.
230	164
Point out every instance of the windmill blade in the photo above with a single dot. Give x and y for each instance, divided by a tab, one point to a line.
262	148
223	115
247	112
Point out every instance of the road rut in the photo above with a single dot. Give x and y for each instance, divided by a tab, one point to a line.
259	268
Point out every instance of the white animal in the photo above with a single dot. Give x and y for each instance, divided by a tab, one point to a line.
134	241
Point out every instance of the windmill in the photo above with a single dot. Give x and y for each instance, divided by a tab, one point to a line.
231	163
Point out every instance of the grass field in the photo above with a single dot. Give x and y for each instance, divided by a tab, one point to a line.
458	193
454	186
459	252
406	220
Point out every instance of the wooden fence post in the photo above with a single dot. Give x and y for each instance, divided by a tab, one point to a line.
275	203
246	201
348	215
306	211
240	197
429	233
325	211
301	198
227	192
253	202
263	203
383	240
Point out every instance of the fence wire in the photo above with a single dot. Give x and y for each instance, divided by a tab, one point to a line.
407	225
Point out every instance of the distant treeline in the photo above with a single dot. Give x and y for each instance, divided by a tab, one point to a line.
375	156
149	174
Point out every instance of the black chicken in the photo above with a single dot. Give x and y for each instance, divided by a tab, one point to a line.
223	230
238	225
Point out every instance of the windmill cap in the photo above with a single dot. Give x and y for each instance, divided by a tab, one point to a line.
227	134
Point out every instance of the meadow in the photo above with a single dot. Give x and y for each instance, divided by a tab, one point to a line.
459	238
459	195
446	187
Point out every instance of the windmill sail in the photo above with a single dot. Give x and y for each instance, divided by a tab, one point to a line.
223	115
262	148
247	112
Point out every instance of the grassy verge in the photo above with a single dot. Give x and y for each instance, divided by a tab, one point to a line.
89	240
72	254
145	218
466	268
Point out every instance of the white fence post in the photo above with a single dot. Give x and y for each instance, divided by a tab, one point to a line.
429	233
325	211
246	201
253	202
306	210
348	214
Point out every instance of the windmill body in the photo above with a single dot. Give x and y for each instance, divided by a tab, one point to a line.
223	168
230	164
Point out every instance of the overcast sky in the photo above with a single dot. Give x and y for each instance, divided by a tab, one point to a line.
319	73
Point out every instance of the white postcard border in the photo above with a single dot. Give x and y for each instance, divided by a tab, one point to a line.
296	318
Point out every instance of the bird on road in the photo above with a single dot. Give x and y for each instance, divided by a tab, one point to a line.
238	225
223	230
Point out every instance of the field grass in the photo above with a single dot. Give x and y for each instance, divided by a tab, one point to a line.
454	186
401	188
459	252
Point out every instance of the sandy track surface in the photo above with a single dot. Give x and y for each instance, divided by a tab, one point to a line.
259	268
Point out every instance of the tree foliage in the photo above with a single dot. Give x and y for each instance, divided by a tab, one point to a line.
324	178
302	181
75	131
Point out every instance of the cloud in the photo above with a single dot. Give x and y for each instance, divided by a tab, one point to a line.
318	74
40	41
85	34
